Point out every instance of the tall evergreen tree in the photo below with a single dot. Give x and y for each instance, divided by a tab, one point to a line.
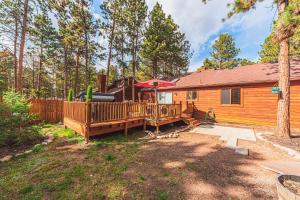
19	86
224	53
109	11
43	35
10	27
135	15
165	50
270	48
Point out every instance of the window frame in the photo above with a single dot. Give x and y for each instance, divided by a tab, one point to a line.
164	94
230	89
187	95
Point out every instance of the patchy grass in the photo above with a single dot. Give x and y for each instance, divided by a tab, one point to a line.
76	171
114	167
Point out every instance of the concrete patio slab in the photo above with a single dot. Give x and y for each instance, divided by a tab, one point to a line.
229	134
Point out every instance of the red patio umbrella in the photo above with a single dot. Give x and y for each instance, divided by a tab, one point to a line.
155	83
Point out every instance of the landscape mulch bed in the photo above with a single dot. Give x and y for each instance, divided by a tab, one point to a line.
14	149
293	186
293	143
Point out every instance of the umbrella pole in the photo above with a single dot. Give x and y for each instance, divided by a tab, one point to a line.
157	112
155	95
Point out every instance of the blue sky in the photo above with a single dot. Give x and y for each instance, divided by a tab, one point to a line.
203	23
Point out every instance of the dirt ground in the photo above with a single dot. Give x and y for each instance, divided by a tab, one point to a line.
195	166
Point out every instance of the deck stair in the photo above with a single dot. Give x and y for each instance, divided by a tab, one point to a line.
190	120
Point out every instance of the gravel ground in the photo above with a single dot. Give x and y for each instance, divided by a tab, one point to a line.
195	166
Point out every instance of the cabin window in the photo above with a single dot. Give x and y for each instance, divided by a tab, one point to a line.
191	95
165	98
231	96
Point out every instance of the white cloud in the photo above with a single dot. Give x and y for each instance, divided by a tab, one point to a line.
197	20
200	22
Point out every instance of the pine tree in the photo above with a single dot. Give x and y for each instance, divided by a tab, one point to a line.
10	26
19	86
43	35
165	50
84	30
108	26
270	48
224	52
135	15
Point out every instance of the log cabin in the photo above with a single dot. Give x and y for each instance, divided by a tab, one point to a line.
241	95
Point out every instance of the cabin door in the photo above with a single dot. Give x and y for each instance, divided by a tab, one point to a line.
165	98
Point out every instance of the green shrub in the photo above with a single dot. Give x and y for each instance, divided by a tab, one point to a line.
14	116
89	93
70	95
17	109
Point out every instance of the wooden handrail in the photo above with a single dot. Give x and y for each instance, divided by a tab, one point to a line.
94	112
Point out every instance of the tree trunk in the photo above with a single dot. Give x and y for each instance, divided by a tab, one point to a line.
40	71
15	52
87	75
76	73
65	73
133	72
123	67
283	113
22	47
111	40
33	73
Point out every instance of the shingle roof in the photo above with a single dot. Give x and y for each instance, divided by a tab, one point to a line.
257	73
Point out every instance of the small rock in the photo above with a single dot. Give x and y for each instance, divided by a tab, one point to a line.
49	141
28	151
6	158
50	137
37	146
19	154
242	151
44	143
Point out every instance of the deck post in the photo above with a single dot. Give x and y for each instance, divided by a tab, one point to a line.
157	116
180	112
193	108
87	121
126	129
145	125
126	118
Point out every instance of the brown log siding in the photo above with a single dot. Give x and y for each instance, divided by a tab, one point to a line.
258	104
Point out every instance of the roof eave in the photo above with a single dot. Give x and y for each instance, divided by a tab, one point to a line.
220	85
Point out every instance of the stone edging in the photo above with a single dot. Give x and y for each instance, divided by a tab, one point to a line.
47	141
291	152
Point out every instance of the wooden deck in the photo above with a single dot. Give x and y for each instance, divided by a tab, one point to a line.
91	118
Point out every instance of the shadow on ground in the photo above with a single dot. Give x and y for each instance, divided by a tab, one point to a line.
115	167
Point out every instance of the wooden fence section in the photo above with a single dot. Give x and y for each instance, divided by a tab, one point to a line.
48	110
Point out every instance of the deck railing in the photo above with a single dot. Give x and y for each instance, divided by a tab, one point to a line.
169	110
161	111
107	112
75	111
82	116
